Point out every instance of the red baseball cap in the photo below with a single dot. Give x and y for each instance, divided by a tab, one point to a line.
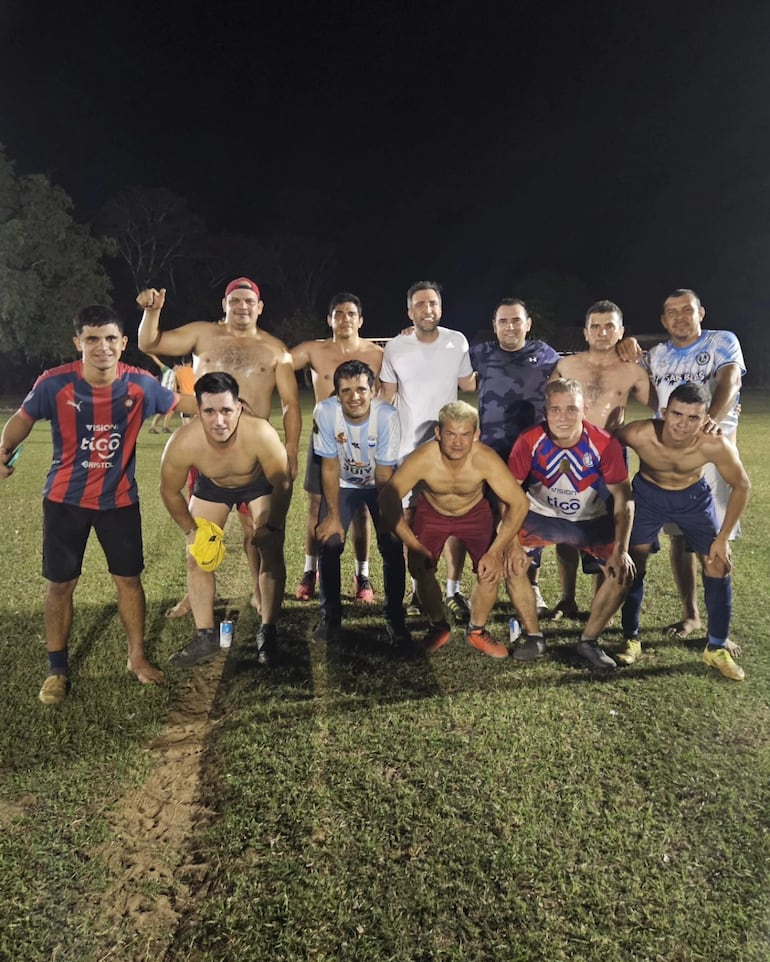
243	282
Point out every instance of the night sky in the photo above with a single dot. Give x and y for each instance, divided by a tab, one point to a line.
625	143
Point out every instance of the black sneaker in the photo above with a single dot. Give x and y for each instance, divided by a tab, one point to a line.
203	647
327	629
529	650
458	608
267	645
597	659
399	635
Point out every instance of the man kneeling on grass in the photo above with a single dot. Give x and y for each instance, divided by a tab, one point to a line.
449	473
357	438
670	487
240	460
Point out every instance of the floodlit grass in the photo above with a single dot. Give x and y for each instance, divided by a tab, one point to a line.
369	808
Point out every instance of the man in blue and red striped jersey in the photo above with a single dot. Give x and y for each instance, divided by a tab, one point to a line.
96	407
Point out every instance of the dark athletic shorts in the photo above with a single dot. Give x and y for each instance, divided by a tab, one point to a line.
66	528
206	490
475	529
691	508
595	537
313	471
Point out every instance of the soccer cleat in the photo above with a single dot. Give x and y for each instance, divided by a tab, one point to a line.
363	589
306	588
722	660
267	645
54	690
481	640
327	629
631	653
457	607
414	607
436	637
542	607
203	647
597	659
529	650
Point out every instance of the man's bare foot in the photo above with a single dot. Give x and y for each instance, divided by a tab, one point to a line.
683	628
566	608
146	673
733	648
180	609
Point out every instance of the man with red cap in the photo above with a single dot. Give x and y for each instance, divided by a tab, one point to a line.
258	361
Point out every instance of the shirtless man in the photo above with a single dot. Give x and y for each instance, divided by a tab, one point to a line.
259	362
607	383
239	459
714	359
670	486
450	473
324	357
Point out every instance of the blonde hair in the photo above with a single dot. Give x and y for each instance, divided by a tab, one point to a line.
458	411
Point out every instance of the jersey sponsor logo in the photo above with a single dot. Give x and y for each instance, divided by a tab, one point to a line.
571	506
102	465
101	446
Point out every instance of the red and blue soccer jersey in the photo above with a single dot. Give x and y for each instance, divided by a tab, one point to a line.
569	483
94	432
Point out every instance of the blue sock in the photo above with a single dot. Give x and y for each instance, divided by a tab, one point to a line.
718	595
58	662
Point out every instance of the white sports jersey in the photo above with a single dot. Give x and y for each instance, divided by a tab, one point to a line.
671	366
357	447
426	375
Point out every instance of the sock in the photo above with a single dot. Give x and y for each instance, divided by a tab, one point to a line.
453	588
362	569
718	595
475	628
58	662
311	562
716	642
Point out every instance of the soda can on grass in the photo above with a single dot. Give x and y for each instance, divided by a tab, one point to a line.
514	630
225	633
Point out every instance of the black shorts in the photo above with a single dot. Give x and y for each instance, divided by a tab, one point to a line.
313	471
206	490
66	528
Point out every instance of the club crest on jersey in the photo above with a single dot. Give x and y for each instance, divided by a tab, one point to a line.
588	460
129	403
703	358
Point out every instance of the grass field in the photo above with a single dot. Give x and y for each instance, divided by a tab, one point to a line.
350	806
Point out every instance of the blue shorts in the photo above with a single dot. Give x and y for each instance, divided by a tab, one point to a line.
313	471
691	508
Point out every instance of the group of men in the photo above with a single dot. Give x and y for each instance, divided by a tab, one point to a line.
541	463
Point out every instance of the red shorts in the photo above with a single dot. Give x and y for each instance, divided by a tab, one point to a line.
475	529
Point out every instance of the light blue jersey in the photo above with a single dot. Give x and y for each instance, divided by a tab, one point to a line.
671	366
357	447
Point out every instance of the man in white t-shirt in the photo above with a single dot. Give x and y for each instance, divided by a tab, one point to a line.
357	439
421	372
